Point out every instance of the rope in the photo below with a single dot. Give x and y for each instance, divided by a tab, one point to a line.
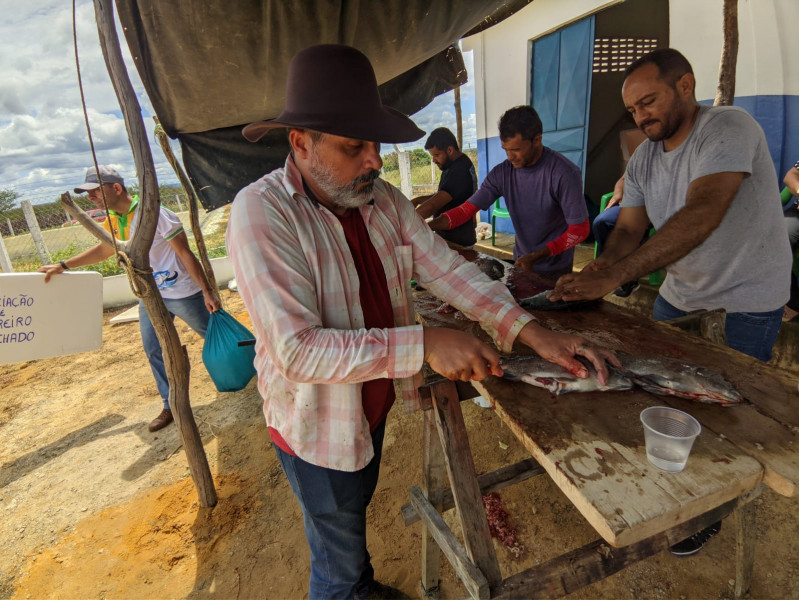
135	276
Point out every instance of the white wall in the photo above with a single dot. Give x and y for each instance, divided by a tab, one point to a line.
501	55
116	289
768	43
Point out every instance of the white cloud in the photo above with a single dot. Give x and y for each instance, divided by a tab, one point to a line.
44	147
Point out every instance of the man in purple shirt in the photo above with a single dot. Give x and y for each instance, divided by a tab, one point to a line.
543	192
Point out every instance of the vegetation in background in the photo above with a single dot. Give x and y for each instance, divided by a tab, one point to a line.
421	172
8	198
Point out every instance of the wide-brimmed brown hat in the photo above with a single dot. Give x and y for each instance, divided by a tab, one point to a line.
333	89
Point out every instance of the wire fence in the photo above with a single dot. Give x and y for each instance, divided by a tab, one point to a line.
34	235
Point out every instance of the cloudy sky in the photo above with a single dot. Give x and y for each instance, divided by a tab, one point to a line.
44	147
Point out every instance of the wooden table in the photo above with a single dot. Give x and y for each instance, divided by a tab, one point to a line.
592	446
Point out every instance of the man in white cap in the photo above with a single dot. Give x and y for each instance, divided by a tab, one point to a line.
323	251
179	275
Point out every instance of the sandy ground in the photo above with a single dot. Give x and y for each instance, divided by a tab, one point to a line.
95	506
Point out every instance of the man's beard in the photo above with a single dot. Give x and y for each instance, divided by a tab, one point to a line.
668	128
345	196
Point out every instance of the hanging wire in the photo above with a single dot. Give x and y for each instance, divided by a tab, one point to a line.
134	274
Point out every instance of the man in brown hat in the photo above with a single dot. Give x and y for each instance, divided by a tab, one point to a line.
323	251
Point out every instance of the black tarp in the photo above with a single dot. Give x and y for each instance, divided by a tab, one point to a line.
210	67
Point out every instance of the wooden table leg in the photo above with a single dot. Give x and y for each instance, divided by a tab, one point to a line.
745	547
434	478
463	480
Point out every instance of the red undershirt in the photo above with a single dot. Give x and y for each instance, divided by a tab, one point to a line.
377	394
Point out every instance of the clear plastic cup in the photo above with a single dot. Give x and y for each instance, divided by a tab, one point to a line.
669	434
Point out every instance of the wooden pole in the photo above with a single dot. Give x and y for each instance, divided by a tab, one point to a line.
175	358
36	233
10	227
725	92
5	259
191	198
458	117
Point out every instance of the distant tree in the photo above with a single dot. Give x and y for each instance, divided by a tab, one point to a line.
8	199
391	162
420	157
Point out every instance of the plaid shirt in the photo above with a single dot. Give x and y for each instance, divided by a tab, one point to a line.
295	273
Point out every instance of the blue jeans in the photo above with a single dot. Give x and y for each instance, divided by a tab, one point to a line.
193	311
752	333
602	226
333	507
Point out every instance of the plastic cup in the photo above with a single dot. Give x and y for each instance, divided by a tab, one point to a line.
669	435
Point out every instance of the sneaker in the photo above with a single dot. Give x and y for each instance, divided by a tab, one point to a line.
625	290
696	542
380	591
161	421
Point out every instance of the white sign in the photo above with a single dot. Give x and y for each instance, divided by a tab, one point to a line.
40	320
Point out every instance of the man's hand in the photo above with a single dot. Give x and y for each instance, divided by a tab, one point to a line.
561	348
49	271
586	285
440	223
212	301
459	356
618	193
527	261
598	264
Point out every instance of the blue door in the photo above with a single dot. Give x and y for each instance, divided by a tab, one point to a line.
561	87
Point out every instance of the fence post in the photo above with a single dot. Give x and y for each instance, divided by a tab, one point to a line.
406	185
36	233
10	228
432	171
5	259
177	200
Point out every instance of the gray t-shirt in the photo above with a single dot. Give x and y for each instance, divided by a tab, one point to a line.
745	264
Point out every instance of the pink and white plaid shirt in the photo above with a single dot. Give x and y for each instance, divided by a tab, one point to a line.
296	275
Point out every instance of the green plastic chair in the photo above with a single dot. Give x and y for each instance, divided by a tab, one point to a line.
655	277
498	212
785	197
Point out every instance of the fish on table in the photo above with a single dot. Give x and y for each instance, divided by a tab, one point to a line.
541	302
672	377
536	371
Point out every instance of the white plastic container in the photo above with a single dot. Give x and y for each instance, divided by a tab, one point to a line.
669	435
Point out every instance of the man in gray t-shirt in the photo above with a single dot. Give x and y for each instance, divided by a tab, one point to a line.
706	181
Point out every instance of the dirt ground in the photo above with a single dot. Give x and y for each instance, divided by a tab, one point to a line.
95	506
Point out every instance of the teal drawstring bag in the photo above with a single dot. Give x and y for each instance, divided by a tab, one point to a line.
229	365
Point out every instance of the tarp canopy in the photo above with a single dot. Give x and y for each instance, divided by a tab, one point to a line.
211	66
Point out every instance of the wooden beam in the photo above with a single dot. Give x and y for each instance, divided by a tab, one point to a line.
465	390
176	360
471	577
488	482
725	91
463	480
595	561
191	198
744	548
434	479
708	324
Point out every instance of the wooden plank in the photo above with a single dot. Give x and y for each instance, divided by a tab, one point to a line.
592	445
767	427
488	482
744	548
465	390
434	479
595	561
471	577
463	481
